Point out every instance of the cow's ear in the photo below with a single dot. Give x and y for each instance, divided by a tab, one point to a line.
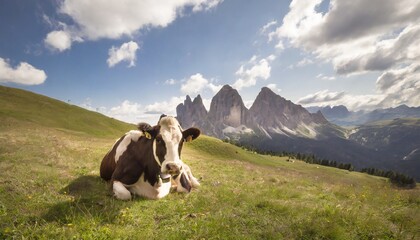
143	126
152	132
190	134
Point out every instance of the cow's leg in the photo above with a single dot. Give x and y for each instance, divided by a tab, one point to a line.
182	183
190	177
194	181
120	191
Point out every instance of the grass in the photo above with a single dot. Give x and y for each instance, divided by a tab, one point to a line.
50	189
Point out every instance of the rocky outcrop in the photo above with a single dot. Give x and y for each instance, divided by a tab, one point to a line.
270	113
191	113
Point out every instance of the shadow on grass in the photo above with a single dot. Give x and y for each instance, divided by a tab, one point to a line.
90	199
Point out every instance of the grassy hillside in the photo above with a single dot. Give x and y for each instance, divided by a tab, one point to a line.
50	189
23	107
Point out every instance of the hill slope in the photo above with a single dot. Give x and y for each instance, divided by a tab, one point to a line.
50	189
19	106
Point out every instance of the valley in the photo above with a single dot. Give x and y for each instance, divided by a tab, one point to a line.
275	124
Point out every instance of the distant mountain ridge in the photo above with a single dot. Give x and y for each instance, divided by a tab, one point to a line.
340	115
269	114
273	123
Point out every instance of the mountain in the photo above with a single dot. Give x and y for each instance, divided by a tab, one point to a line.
274	114
396	141
269	114
228	113
193	113
275	124
331	112
50	187
341	116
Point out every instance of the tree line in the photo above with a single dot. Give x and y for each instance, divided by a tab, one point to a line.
398	179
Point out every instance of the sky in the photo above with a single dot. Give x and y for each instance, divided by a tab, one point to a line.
135	59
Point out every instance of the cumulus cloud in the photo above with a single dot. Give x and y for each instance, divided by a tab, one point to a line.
197	83
24	73
204	5
274	87
96	19
322	96
355	36
133	112
127	111
400	86
126	52
352	102
60	40
249	73
394	87
165	107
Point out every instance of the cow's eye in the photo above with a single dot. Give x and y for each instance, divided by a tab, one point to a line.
158	139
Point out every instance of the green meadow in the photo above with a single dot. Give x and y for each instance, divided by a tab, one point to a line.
50	187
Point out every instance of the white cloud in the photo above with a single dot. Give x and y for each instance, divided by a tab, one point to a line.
394	87
274	87
351	101
280	46
60	40
126	52
170	82
324	77
127	111
400	86
355	36
267	27
96	19
304	62
200	5
321	96
24	73
197	83
165	107
249	73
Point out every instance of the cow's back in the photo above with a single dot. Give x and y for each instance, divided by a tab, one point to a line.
108	163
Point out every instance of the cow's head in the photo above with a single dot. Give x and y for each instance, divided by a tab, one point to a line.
168	138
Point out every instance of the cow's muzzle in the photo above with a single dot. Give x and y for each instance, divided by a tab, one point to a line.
173	169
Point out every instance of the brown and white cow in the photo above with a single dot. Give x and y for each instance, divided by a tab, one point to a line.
145	161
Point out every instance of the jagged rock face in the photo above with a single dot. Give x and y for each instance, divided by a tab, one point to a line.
228	108
272	111
336	111
191	113
319	118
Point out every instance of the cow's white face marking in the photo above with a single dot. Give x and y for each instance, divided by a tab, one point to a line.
171	134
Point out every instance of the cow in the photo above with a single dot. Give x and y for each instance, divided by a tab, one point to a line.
147	162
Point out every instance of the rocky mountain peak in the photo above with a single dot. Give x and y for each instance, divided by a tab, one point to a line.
319	118
187	100
228	108
270	113
198	100
191	113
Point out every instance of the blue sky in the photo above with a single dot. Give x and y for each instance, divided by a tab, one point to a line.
133	60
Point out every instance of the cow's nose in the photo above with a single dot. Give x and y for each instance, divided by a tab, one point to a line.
173	168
